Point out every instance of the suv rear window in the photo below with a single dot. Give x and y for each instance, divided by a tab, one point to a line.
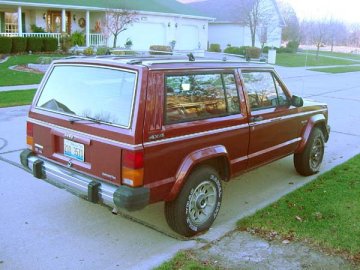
100	93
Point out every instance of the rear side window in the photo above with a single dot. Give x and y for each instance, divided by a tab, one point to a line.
104	94
200	96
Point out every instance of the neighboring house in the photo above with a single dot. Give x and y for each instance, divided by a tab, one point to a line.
229	26
159	21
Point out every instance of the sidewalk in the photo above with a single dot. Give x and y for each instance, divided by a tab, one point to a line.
18	87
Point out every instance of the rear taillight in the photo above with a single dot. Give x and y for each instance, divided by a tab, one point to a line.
133	168
30	135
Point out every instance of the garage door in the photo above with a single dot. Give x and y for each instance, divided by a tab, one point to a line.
143	35
188	37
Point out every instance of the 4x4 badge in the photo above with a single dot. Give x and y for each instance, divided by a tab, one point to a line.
69	136
156	137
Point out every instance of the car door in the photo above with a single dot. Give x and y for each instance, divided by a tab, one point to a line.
274	126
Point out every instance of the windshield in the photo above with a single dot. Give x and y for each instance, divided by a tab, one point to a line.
90	92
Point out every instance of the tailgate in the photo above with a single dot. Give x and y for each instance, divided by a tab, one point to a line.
82	117
93	155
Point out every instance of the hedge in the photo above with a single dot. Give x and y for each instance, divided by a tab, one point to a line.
160	50
252	52
22	44
5	45
18	44
50	44
214	47
35	44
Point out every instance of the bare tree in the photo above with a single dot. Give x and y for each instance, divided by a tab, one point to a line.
117	21
258	15
291	31
354	35
337	33
315	32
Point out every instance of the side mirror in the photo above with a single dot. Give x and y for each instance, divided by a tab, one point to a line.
297	101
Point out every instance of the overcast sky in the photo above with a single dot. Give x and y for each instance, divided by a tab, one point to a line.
344	10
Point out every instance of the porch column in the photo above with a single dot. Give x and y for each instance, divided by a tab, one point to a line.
87	28
63	21
20	22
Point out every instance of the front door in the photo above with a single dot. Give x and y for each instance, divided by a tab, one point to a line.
54	22
274	126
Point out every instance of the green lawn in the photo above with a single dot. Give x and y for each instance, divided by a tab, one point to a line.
324	213
335	70
301	60
184	260
338	54
12	77
16	98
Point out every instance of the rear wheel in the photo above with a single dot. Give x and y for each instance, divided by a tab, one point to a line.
198	203
308	162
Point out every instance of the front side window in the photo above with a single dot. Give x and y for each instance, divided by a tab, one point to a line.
200	96
264	91
103	94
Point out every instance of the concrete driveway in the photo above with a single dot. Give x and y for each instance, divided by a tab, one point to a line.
43	227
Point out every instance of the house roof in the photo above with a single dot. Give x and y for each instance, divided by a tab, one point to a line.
158	6
226	11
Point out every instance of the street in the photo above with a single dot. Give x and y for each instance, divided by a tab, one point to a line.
43	227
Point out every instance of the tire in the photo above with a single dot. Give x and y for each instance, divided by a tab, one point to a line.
198	203
308	162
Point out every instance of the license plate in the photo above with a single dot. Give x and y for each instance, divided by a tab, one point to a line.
74	150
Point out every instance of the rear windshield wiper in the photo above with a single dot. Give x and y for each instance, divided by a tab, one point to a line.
88	118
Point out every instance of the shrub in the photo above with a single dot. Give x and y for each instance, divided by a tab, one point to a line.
5	45
18	44
65	42
50	44
35	44
214	47
160	50
37	29
88	51
293	45
267	48
102	51
77	38
233	50
252	52
285	50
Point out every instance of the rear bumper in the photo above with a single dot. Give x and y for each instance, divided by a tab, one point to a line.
84	186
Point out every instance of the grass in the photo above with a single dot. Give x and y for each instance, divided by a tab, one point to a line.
301	60
184	260
12	77
338	54
324	213
335	70
16	98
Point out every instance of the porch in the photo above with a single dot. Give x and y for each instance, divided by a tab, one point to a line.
51	22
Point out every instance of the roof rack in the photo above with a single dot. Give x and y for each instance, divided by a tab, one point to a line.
149	58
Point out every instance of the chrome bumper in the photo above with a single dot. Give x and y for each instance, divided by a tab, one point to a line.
84	186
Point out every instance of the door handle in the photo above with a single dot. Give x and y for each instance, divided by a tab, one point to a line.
256	118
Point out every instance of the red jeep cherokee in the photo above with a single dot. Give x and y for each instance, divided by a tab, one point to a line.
130	132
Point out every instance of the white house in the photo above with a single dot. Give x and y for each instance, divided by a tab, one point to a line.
229	28
159	21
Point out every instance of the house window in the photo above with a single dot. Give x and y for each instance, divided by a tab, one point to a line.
11	22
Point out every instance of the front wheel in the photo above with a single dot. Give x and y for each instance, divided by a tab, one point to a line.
198	203
308	162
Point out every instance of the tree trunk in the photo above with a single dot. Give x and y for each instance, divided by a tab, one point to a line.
317	51
115	40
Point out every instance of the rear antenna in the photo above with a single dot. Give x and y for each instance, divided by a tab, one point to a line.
191	57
